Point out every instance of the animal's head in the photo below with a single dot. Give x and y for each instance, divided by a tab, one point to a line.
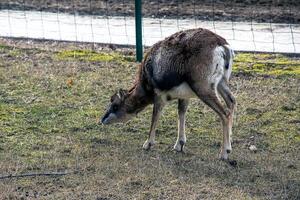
118	109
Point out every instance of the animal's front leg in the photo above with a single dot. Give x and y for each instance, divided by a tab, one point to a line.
157	108
181	139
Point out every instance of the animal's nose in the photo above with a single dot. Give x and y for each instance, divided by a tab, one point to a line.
103	120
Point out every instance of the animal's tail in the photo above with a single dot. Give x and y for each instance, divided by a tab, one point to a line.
228	61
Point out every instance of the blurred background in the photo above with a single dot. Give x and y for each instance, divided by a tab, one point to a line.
250	25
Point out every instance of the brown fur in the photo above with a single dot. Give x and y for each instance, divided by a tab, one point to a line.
189	63
183	51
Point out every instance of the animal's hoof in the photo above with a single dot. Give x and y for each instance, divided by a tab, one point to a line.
148	145
223	155
179	146
225	151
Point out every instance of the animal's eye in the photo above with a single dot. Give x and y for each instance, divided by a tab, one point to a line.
115	108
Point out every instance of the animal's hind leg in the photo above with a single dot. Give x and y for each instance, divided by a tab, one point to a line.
181	139
229	99
209	96
226	94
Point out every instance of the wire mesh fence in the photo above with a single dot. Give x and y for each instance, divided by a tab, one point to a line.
251	25
49	86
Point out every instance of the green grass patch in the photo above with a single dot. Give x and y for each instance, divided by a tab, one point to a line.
3	47
87	55
268	64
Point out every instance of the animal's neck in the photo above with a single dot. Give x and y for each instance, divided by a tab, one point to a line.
138	99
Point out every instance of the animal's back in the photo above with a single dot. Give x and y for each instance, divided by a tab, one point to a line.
192	63
170	62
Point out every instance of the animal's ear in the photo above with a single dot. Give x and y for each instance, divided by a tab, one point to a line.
113	97
122	94
119	95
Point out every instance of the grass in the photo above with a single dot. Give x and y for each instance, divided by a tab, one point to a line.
267	64
51	97
92	56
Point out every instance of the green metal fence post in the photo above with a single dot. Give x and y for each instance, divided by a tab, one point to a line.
138	30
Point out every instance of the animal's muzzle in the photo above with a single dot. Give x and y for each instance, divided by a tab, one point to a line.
104	118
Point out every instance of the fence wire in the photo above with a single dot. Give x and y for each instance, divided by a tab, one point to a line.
253	25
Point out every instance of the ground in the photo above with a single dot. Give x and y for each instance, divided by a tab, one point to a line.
52	95
279	11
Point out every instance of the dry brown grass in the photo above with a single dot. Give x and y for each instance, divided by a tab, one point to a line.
49	104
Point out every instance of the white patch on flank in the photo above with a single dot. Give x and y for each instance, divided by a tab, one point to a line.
183	91
228	72
217	66
158	68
